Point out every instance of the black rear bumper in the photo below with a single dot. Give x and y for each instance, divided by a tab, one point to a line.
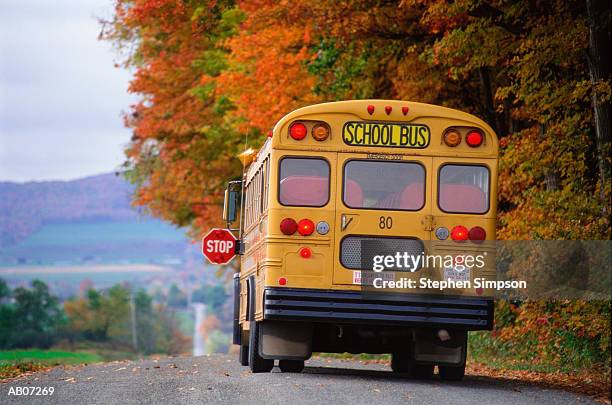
386	309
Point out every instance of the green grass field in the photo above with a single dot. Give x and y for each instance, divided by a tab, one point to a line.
17	362
101	242
47	357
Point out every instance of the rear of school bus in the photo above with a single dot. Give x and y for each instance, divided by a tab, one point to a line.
349	181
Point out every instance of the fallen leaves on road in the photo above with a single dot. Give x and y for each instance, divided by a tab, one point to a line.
596	386
8	371
593	384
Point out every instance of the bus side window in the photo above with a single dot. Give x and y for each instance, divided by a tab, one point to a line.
264	186
247	206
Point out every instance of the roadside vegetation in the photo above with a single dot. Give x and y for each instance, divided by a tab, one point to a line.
38	331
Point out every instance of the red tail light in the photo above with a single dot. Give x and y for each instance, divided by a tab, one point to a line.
459	233
288	226
305	252
305	227
477	234
298	131
474	138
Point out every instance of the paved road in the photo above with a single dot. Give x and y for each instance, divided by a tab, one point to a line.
219	379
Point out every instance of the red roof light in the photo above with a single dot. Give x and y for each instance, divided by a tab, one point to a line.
298	131
474	138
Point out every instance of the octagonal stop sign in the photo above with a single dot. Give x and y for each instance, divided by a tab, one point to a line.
219	246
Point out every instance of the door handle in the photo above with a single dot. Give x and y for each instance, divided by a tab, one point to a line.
345	222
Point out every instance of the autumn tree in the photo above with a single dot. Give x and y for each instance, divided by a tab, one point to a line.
215	76
183	146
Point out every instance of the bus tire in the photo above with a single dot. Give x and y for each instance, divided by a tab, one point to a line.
404	363
257	364
421	371
291	366
400	362
243	355
451	373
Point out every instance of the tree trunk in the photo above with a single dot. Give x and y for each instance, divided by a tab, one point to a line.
599	15
487	93
551	175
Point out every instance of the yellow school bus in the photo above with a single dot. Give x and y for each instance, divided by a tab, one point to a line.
339	185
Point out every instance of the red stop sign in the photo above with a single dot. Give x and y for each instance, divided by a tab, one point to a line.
219	246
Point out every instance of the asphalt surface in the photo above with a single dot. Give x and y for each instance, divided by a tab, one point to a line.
219	379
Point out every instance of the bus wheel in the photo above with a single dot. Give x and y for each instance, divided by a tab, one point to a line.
451	373
421	371
400	362
243	356
291	366
257	363
403	363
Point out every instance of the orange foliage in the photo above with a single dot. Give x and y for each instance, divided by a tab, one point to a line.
267	77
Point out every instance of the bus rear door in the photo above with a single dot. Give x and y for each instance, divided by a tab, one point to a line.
383	206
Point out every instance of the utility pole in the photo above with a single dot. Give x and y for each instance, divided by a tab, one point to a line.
133	318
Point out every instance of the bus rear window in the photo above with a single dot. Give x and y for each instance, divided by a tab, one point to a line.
304	182
464	189
384	185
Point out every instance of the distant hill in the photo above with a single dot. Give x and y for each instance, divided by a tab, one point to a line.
26	207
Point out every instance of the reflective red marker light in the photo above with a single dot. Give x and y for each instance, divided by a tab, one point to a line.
477	234
298	131
459	233
371	109
305	253
405	110
305	227
474	138
388	109
288	226
282	281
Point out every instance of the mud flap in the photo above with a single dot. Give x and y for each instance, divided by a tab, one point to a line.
427	348
285	340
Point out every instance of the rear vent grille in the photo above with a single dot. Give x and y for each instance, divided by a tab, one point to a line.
357	252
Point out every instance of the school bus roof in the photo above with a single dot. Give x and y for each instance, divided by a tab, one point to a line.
436	118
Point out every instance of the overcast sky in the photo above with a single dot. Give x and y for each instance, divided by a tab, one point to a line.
61	98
